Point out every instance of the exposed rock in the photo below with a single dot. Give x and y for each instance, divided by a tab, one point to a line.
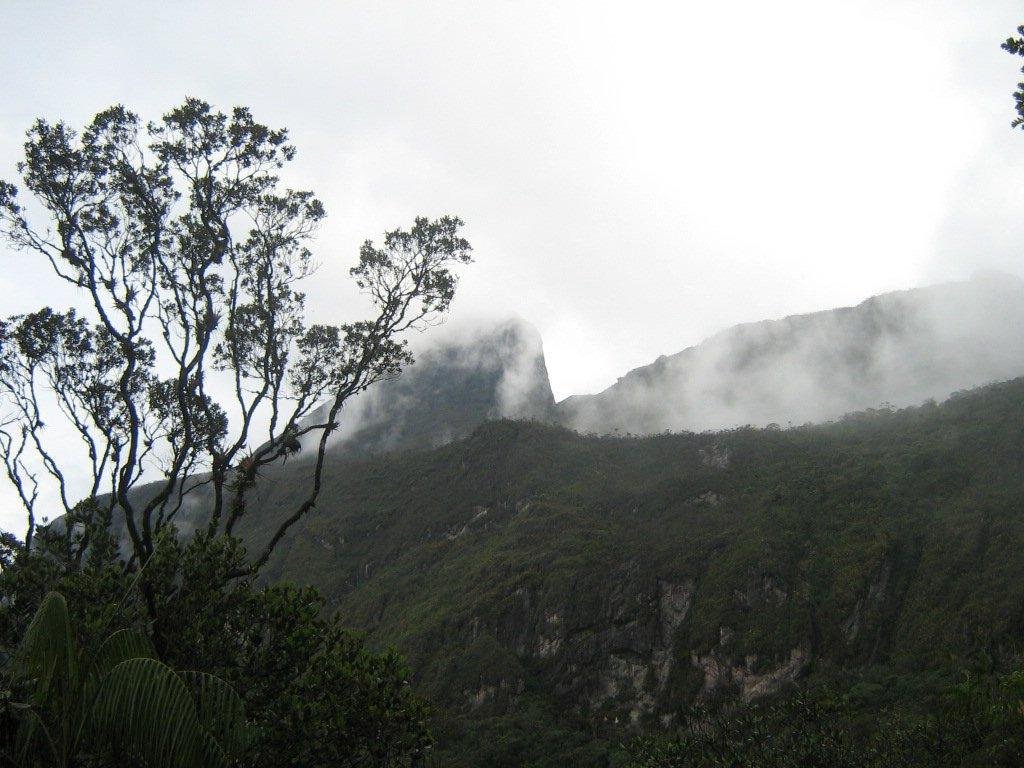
871	601
720	673
500	692
756	686
459	381
674	601
716	456
481	696
773	589
769	592
710	498
900	348
457	531
548	646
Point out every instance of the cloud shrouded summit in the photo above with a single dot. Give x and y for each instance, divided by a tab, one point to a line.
895	349
891	350
634	176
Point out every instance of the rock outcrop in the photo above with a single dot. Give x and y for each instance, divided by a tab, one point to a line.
457	382
895	349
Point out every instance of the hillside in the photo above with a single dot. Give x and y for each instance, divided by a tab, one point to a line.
899	348
555	591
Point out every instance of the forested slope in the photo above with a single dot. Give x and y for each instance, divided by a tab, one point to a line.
555	592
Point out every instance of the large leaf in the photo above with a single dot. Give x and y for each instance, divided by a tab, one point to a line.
47	651
34	744
221	712
121	646
47	659
144	708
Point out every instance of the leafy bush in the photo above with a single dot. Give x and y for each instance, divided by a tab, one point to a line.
312	691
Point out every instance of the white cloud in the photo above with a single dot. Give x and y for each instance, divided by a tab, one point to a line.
635	176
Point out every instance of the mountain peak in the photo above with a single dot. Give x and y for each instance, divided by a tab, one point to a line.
898	348
463	375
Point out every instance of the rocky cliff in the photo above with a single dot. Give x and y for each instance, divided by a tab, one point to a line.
895	349
460	379
576	589
541	580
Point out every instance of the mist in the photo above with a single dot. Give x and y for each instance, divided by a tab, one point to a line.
464	373
893	350
889	351
634	178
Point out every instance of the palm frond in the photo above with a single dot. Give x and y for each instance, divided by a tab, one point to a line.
147	710
221	712
47	662
121	646
47	651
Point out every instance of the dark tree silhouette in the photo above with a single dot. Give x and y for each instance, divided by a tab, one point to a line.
189	253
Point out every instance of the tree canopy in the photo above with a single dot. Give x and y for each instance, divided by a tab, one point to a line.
1015	46
186	370
193	364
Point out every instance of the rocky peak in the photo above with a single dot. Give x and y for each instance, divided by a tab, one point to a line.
462	377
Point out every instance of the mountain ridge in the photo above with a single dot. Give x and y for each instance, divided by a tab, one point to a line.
558	592
899	348
584	587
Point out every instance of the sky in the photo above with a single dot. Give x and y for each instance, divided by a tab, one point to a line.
634	176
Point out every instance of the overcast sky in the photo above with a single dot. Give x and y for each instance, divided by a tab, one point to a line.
634	176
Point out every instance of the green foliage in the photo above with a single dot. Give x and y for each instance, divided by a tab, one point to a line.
277	681
533	735
116	699
192	365
891	540
1015	46
979	723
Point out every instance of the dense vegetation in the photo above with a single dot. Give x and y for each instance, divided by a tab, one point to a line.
846	595
523	569
520	570
977	722
186	363
310	692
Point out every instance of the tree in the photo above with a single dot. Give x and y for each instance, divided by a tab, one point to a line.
313	693
1015	46
189	254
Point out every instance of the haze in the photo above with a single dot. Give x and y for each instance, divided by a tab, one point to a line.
635	177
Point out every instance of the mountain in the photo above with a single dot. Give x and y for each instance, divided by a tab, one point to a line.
463	378
899	348
555	592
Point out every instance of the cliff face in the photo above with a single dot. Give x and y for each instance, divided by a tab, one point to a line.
544	581
455	384
894	349
898	348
